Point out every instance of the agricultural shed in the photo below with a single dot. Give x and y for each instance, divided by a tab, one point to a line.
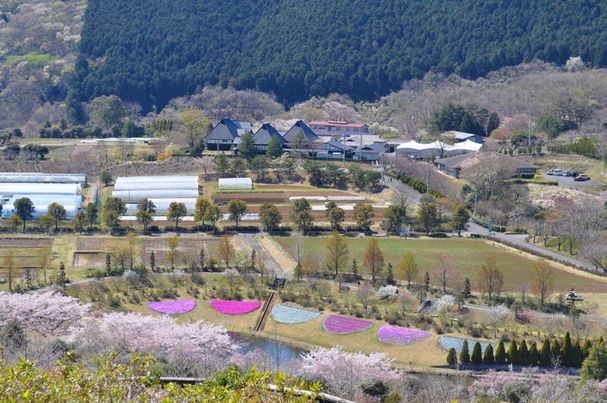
235	183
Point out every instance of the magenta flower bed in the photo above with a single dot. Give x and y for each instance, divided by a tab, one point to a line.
345	324
229	307
401	335
173	307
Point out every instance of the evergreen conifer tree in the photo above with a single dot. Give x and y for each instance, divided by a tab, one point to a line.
555	352
523	353
354	268
452	358
108	264
578	355
488	356
567	351
534	355
464	355
152	261
500	353
477	354
513	353
390	275
62	275
467	287
545	353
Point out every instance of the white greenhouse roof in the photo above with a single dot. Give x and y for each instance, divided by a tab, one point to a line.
156	185
134	196
235	183
38	177
159	178
40	188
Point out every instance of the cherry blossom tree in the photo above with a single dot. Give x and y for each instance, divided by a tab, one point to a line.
346	373
495	315
48	313
190	349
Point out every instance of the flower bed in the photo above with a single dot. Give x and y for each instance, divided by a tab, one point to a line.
229	307
449	342
173	307
401	335
288	314
345	324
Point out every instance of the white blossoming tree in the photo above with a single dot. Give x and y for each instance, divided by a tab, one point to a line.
344	373
198	348
49	314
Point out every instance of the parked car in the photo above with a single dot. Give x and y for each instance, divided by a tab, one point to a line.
556	172
581	178
571	173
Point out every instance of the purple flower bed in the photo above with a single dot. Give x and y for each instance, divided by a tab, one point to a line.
345	324
173	307
400	335
229	307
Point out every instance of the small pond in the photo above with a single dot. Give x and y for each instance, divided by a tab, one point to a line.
275	350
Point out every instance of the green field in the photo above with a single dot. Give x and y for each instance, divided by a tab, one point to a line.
32	58
467	254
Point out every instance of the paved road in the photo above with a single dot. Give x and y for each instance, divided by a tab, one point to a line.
413	195
568	181
520	241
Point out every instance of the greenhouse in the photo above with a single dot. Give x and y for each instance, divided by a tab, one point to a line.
7	189
161	190
37	177
235	183
41	202
162	205
134	196
155	185
165	179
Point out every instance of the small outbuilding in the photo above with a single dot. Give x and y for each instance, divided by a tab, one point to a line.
235	183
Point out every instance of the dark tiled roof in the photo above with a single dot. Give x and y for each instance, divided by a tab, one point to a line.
265	133
300	127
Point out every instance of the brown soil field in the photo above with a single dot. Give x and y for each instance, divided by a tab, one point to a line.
24	242
90	252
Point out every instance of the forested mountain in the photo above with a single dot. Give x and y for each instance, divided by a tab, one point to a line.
153	50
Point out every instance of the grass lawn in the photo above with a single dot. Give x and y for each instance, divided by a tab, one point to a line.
424	353
468	255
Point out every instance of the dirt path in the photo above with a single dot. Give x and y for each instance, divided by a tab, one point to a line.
282	259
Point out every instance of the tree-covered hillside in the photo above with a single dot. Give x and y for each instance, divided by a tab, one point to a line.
153	50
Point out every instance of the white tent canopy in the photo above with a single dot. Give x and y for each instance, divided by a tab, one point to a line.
437	149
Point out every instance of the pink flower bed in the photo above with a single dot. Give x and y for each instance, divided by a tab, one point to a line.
400	335
174	307
345	324
229	307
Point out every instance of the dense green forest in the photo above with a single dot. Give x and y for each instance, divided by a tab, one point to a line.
150	51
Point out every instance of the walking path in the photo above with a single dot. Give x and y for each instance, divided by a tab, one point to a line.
519	241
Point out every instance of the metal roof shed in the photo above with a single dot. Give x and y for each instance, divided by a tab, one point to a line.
235	183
